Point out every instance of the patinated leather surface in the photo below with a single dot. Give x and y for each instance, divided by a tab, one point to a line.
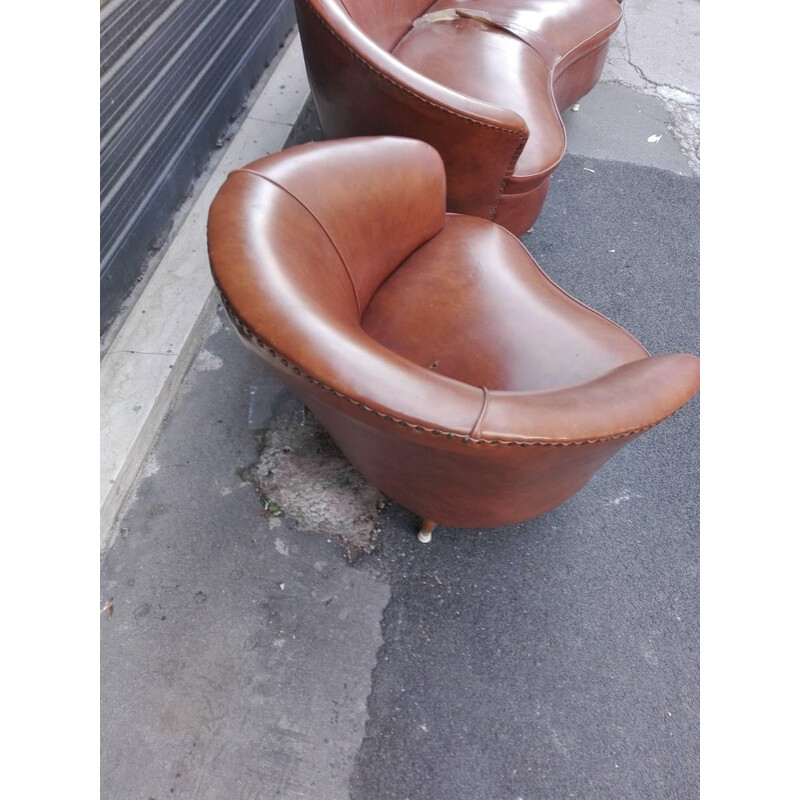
472	304
448	368
487	99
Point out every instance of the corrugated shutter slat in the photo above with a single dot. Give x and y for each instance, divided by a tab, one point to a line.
173	73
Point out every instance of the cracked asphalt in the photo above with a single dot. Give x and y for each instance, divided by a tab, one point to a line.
655	51
248	657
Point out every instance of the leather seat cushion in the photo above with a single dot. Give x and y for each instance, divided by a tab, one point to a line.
472	304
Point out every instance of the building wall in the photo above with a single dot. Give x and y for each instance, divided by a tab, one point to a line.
173	74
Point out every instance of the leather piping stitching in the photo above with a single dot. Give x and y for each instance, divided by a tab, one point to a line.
476	428
251	336
322	228
509	174
522	137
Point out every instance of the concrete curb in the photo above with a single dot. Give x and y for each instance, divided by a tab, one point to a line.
144	365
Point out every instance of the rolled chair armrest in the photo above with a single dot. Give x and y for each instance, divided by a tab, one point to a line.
378	383
625	401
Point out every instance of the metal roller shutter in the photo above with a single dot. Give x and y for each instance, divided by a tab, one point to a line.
172	75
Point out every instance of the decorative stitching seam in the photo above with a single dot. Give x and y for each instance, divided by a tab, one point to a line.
506	178
250	335
515	155
476	428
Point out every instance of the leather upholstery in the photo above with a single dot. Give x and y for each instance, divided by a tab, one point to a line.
450	370
485	89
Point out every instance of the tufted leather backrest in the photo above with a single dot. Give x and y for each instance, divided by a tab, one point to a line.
387	21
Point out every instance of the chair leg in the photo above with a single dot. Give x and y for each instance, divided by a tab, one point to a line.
426	531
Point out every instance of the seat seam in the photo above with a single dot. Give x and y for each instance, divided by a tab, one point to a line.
522	33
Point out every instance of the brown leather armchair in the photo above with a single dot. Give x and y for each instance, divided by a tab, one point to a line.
449	369
483	81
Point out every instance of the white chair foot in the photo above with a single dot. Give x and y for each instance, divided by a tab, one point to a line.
426	531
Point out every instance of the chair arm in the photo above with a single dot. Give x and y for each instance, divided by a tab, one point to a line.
625	401
374	380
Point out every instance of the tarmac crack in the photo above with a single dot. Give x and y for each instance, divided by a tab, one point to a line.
682	105
683	124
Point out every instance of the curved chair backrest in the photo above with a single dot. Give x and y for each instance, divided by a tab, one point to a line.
300	241
360	88
484	87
